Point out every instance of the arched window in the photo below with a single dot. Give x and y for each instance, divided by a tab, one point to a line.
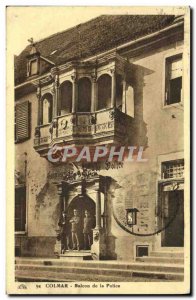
47	109
84	95
65	97
104	84
119	91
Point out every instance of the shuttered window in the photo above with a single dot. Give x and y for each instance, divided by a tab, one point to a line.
22	121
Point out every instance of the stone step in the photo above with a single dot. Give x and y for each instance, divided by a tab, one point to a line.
168	260
69	277
175	254
76	255
103	265
86	268
25	275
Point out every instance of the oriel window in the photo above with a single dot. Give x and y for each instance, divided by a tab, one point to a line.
173	80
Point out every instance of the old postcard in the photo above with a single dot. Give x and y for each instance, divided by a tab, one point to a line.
98	139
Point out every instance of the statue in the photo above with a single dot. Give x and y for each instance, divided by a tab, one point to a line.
87	229
75	220
64	233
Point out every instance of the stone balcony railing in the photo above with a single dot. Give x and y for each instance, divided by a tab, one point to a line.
101	127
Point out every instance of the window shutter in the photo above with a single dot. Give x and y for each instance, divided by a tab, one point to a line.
22	121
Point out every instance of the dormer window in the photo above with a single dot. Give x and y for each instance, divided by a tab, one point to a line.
33	67
33	61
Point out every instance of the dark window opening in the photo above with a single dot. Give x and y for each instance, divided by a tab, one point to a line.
20	208
84	95
17	251
104	92
66	98
142	251
175	87
119	92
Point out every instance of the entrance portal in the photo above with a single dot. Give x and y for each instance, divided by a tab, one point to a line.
173	219
81	204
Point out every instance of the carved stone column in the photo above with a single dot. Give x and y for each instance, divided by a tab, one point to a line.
113	90
94	94
57	250
74	93
124	100
98	209
39	112
98	248
56	99
56	106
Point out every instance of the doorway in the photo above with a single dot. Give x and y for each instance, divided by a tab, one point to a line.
173	219
81	203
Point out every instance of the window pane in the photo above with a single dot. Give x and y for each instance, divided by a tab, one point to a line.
175	90
84	95
173	169
173	79
34	67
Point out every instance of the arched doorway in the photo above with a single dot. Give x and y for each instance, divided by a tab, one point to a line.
81	204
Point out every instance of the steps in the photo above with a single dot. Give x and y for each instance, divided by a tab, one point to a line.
76	255
169	257
31	269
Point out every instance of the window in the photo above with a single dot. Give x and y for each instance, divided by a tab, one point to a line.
47	109
173	80
104	84
22	121
173	169
142	250
33	67
84	95
20	209
66	98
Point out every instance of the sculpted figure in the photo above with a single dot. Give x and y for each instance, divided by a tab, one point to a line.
75	220
87	229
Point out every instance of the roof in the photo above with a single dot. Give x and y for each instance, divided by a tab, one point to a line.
92	37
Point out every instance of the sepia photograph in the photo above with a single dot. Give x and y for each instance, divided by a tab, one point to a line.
98	106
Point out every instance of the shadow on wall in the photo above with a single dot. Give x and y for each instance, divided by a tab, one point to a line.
111	185
137	129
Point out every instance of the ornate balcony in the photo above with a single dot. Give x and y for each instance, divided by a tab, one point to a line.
108	126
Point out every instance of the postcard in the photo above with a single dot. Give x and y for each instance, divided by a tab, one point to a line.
98	148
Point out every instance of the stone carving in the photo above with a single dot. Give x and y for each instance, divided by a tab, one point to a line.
75	220
96	237
87	229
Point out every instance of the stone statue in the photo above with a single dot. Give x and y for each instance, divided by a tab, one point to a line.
87	230
75	221
64	233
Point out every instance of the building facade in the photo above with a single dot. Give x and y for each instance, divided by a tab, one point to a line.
113	81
